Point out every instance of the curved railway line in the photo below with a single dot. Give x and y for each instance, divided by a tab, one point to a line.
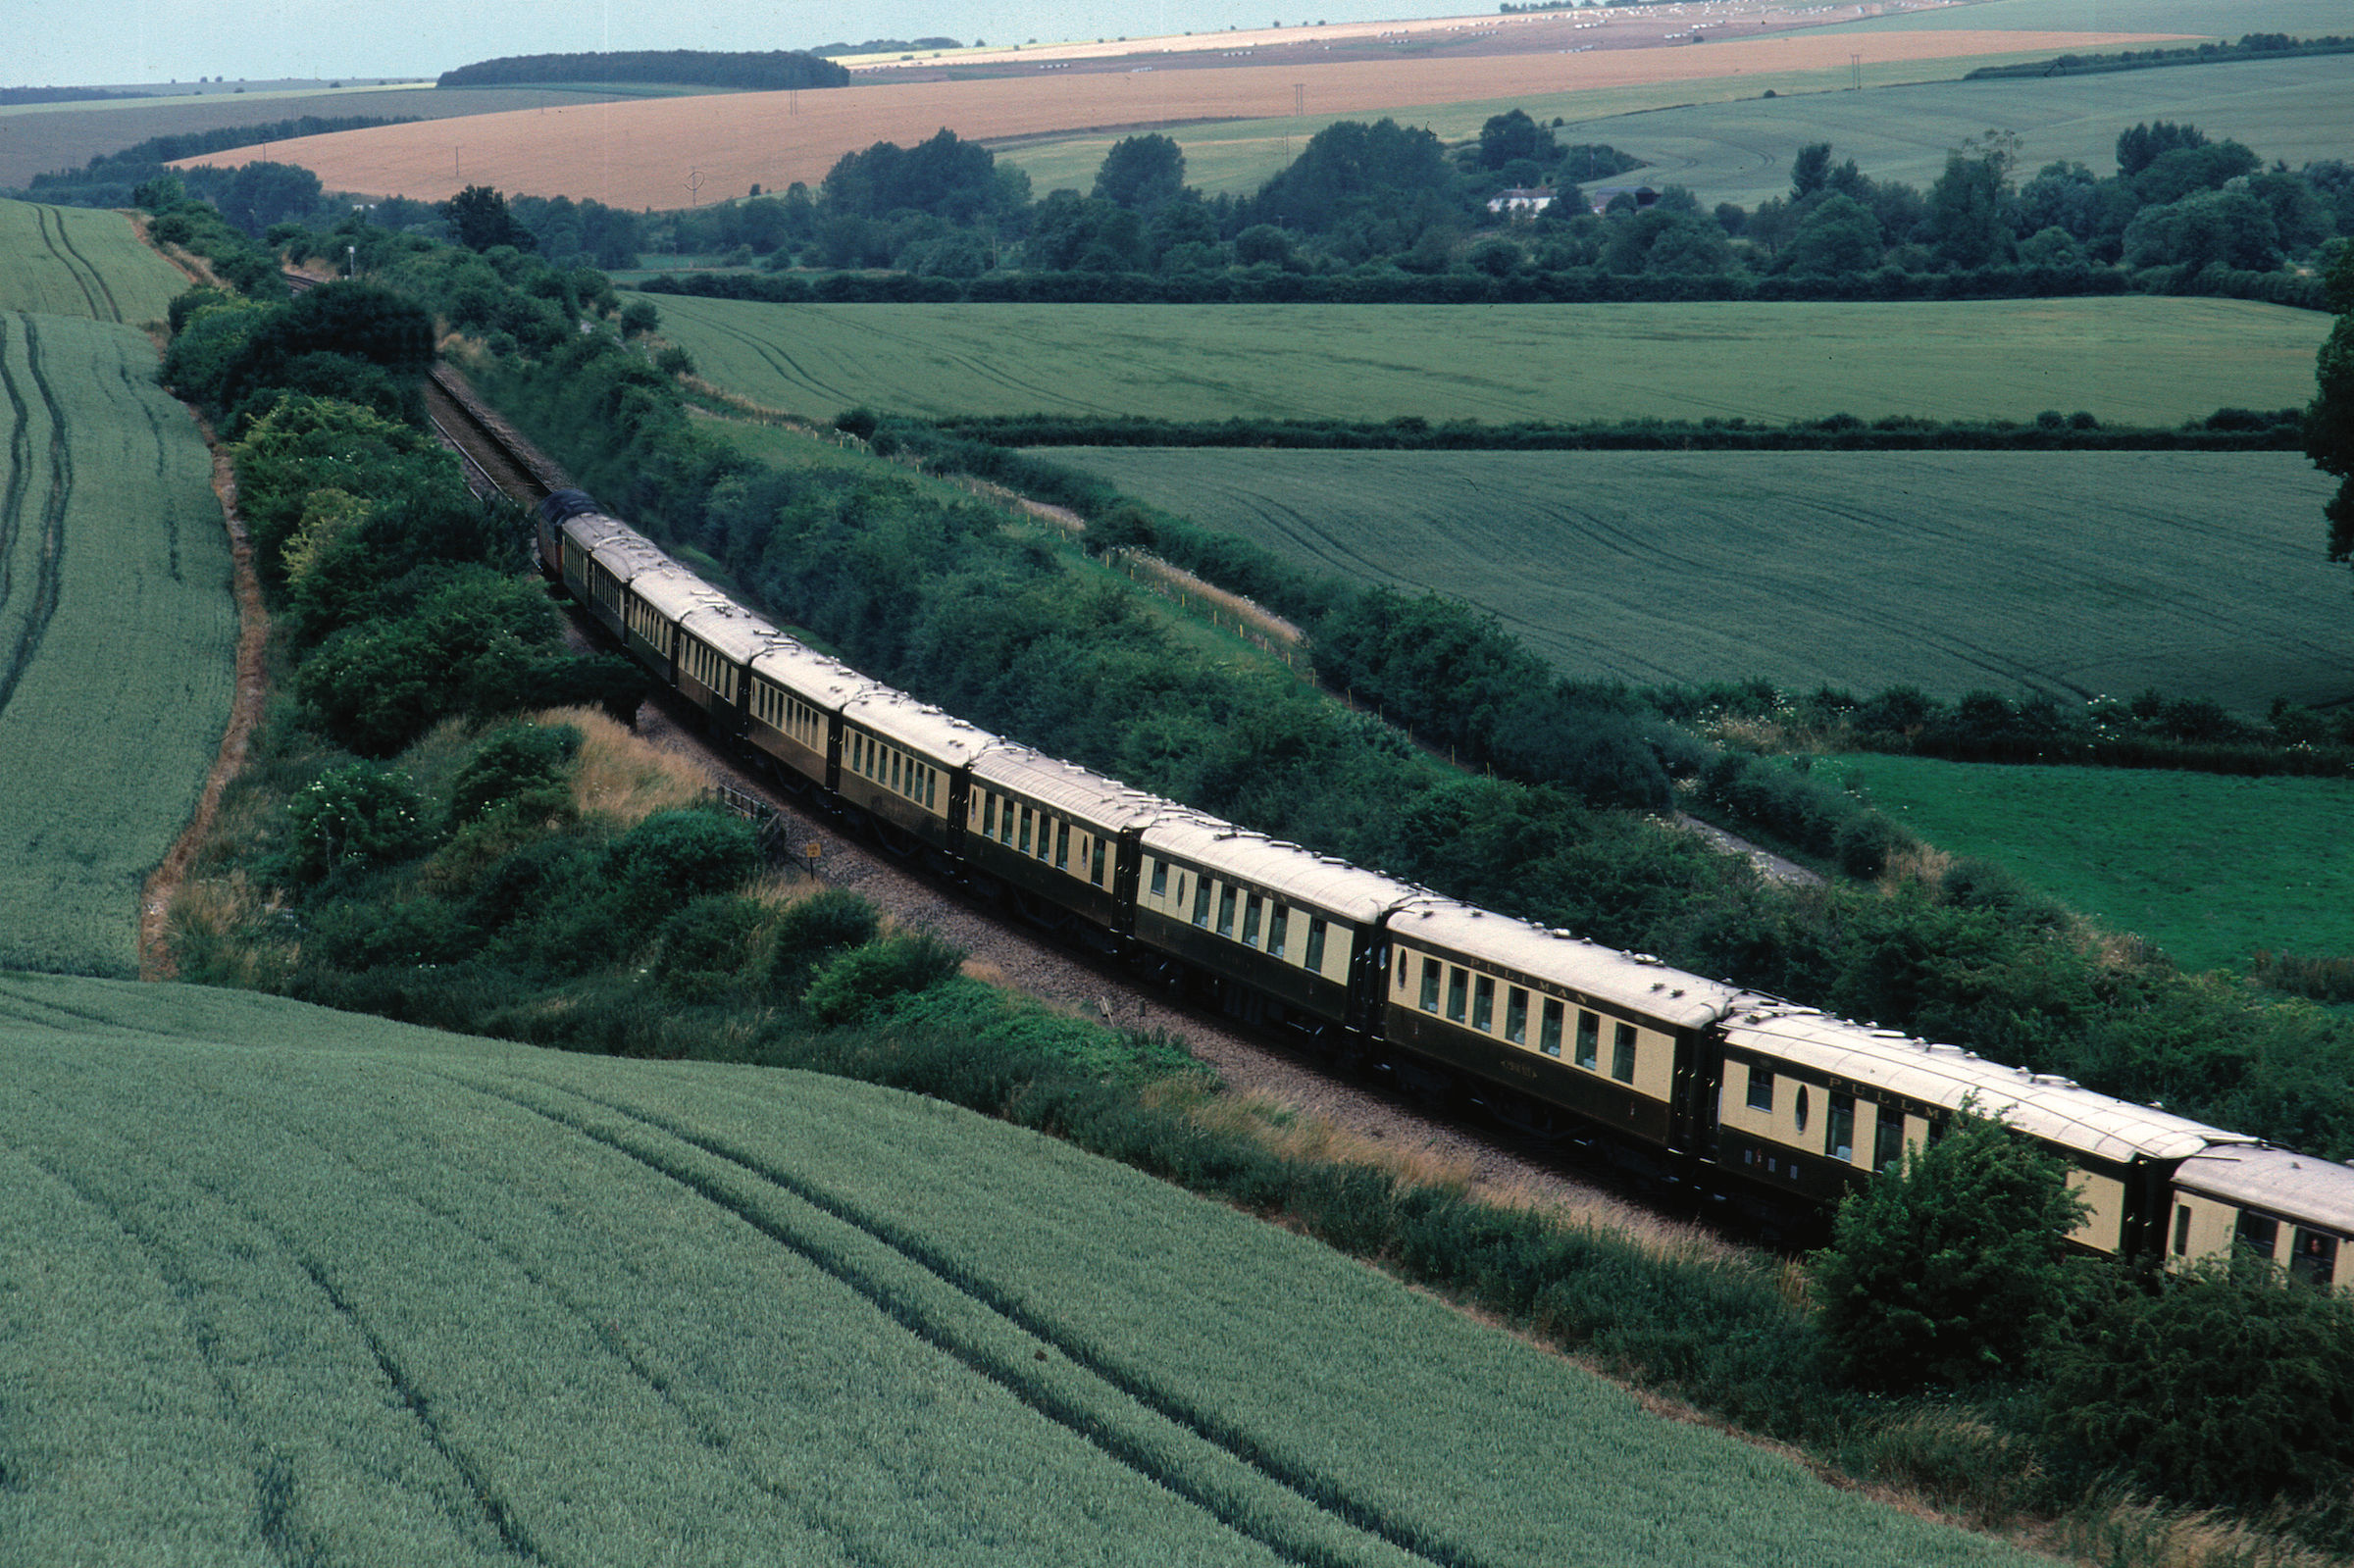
1370	1121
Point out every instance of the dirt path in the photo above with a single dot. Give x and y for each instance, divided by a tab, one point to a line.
245	713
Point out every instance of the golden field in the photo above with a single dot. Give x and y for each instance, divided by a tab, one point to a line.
673	152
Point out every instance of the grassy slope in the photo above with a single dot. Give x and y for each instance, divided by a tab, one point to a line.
2295	109
2129	361
2209	867
2199	574
116	637
2216	18
68	261
403	1298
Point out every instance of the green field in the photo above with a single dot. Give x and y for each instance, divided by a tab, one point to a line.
286	1286
2136	361
2078	574
2295	109
2210	869
117	637
69	261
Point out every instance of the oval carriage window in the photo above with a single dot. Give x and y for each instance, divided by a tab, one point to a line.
1802	1108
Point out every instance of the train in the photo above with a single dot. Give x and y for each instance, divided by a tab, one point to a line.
1780	1107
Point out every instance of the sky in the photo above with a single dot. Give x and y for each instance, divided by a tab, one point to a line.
105	42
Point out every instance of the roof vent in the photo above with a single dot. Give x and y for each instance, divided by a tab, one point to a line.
1560	933
1679	992
1659	984
1644	958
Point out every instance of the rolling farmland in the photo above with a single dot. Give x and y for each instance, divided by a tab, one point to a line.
2136	360
384	1296
2294	110
117	637
2208	867
635	153
2076	573
69	261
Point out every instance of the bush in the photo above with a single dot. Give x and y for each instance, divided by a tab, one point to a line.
681	854
2223	1384
826	921
353	819
706	947
849	989
1951	1268
525	767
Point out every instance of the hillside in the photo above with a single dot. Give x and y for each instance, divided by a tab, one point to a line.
395	1297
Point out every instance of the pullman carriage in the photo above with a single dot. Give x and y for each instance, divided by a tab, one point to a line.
793	710
1283	933
903	764
1064	838
2292	1208
1554	1024
598	557
1814	1104
716	644
652	606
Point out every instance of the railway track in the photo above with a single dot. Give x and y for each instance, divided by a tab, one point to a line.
1378	1118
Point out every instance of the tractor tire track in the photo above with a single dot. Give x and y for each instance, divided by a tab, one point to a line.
19	467
49	573
1132	1450
83	273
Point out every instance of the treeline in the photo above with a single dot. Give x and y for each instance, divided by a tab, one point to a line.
2227	430
2251	46
1583	287
759	70
888	46
111	179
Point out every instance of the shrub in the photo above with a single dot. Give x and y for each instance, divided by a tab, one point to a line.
826	921
706	946
849	989
1951	1268
524	766
681	854
355	818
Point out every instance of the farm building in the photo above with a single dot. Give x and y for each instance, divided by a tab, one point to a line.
1600	197
1521	201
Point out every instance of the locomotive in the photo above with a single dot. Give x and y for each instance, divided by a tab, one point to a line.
1782	1106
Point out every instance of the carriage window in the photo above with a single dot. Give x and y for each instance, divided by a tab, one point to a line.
2182	1230
1062	845
1202	902
2315	1260
1430	984
932	787
1483	1004
1839	1140
1251	909
1458	981
1549	1040
1316	943
1226	910
1887	1138
1761	1089
1275	925
1802	1107
2259	1232
1515	1016
1096	871
1160	879
894	768
1622	1052
1401	969
1005	822
1024	845
988	819
1589	1041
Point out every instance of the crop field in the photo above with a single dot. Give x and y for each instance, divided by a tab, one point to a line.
68	261
44	138
2076	573
2210	868
2134	361
117	637
2294	110
287	1285
634	154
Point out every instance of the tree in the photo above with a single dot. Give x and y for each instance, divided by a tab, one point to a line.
1142	174
1952	1267
2329	418
264	194
1511	135
479	220
2210	227
1968	207
2143	145
1840	235
1809	170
